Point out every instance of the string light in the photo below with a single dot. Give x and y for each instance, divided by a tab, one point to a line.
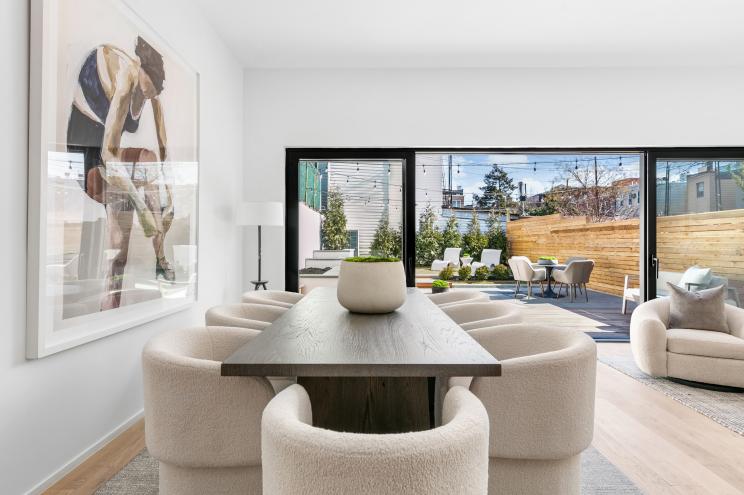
388	169
534	167
620	162
424	167
576	167
458	169
357	167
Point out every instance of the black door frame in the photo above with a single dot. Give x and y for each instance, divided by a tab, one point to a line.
407	156
650	262
649	155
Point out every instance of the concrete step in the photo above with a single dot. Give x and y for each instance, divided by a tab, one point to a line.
327	254
321	263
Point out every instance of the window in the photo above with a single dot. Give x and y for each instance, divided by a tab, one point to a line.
700	186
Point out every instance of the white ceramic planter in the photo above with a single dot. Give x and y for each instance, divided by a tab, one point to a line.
374	287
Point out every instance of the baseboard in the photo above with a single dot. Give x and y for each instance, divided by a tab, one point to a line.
84	455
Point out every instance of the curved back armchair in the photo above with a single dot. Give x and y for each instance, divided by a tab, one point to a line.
541	408
203	428
299	458
576	275
486	314
523	271
458	297
279	298
244	315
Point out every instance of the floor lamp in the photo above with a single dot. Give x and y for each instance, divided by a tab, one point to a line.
261	214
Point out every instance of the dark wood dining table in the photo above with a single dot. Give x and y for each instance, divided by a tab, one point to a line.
365	373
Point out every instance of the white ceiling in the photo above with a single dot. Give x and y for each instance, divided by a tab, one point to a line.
480	33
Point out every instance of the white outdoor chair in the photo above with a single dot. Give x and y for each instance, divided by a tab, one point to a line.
486	314
489	258
523	271
299	458
280	298
255	316
451	257
575	275
630	293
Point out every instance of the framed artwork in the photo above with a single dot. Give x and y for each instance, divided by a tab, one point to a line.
113	175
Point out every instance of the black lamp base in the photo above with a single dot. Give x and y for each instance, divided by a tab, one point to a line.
259	283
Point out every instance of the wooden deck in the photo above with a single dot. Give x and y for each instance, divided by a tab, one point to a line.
600	317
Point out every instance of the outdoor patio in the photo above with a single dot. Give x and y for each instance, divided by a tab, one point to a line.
600	317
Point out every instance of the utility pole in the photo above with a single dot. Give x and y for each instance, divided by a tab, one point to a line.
450	181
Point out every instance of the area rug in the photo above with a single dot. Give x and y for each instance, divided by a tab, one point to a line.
725	408
599	477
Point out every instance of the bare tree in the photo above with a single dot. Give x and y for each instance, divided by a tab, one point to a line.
587	190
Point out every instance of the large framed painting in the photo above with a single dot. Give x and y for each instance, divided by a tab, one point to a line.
113	174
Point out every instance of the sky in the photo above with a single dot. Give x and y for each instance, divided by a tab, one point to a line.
538	172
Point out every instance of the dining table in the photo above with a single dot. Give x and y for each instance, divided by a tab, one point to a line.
366	373
549	292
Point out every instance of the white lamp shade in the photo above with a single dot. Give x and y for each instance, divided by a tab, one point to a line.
261	213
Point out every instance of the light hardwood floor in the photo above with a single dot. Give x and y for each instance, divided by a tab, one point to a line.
663	446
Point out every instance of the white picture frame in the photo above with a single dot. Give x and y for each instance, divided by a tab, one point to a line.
52	325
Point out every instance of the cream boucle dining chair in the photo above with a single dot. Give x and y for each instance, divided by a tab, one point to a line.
485	314
524	271
299	458
541	407
457	297
279	298
244	315
203	428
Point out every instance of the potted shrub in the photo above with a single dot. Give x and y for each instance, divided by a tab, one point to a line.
371	284
464	273
500	272
439	286
547	260
482	273
447	273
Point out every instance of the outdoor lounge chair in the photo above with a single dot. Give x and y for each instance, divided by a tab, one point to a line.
575	275
489	258
451	257
523	271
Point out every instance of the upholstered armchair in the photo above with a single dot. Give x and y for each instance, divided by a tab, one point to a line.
299	458
541	408
523	271
486	314
244	315
458	297
575	275
280	298
203	428
696	355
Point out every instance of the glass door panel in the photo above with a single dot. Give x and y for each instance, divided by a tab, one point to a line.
699	225
346	208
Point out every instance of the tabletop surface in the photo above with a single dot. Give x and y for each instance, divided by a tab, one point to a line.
318	337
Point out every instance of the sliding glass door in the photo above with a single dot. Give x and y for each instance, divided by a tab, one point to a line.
697	220
341	204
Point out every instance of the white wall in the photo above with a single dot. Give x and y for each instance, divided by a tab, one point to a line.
520	107
53	409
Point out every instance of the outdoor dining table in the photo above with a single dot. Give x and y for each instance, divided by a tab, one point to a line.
549	292
365	373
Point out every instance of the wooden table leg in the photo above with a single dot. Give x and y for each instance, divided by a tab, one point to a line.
370	404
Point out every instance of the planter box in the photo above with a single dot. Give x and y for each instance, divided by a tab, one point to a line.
374	287
327	254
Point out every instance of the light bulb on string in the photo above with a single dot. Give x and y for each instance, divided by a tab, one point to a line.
458	169
576	167
424	167
534	167
620	161
357	167
375	186
388	169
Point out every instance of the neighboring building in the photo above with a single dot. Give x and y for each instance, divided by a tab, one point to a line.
628	201
429	183
708	189
453	198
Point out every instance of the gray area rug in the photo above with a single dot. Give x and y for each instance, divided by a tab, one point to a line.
725	408
599	477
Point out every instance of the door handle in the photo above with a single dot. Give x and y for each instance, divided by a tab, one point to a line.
655	263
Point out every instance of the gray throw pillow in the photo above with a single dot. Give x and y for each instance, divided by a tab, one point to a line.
698	310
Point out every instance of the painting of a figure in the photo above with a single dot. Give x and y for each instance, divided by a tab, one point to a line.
118	172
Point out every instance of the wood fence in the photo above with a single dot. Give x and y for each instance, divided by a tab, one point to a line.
714	240
614	246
